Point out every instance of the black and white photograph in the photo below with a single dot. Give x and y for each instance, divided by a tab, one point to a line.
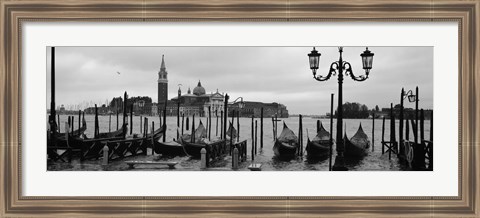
214	108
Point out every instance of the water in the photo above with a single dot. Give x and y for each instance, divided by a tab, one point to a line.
375	161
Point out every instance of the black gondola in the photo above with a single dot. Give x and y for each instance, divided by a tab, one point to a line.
319	147
286	144
358	145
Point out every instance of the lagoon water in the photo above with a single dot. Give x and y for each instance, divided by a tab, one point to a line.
375	161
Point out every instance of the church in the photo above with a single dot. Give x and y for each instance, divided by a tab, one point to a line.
190	103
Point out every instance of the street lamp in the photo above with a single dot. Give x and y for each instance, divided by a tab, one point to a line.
340	67
410	95
241	104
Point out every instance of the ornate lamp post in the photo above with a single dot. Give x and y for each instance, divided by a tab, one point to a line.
241	104
410	95
340	67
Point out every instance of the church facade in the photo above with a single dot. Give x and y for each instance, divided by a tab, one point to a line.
197	102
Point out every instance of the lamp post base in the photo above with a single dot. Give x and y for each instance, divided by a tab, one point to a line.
339	164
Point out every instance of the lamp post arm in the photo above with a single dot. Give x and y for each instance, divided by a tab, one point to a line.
331	72
349	72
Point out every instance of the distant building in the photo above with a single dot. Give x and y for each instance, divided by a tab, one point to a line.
62	109
196	103
254	108
154	110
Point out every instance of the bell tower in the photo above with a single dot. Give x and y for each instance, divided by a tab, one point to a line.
162	86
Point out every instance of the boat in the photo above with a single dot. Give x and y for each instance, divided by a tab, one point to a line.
75	133
193	146
115	134
286	145
231	131
61	138
172	148
358	145
320	145
92	148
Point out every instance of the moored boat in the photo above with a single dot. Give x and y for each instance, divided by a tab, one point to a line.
319	147
358	145
172	148
231	132
193	145
286	145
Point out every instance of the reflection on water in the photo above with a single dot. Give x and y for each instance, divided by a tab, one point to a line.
374	161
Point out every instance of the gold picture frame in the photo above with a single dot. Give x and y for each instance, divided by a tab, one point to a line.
13	13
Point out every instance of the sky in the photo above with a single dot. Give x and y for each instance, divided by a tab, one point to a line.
88	75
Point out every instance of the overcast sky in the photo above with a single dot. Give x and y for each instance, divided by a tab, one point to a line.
266	74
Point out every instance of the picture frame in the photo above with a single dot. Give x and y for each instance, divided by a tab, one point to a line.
14	13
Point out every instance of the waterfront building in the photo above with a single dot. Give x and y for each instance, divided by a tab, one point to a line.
254	108
196	103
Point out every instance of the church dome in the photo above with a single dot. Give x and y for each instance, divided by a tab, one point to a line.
199	90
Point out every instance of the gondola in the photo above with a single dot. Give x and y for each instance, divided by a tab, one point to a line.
172	148
61	138
358	145
193	146
286	144
231	131
115	134
75	133
319	147
92	148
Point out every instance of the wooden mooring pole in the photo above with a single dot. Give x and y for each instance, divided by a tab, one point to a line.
193	129
221	125
238	125
97	131
226	116
392	131
422	126
117	118
183	121
273	129
276	126
216	124
255	137
209	123
373	132
164	122
232	139
383	135
80	118
131	119
400	124
318	125
141	124
58	118
331	134
261	128
407	130
300	135
153	143
416	115
188	123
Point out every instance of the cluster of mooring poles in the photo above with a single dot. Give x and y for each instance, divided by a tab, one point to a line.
416	154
